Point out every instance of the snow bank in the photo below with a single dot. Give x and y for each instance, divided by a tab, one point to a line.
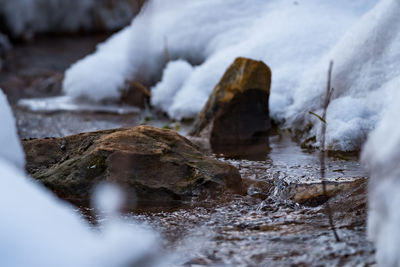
107	71
173	79
365	61
381	155
11	149
23	18
294	38
37	229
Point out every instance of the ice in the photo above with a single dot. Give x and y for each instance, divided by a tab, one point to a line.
67	103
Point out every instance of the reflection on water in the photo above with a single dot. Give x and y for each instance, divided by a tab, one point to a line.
66	103
263	228
257	150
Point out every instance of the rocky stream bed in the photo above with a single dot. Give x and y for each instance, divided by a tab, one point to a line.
280	220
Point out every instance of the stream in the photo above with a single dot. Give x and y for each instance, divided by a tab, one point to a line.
281	221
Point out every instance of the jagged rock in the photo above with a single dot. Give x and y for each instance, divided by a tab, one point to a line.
159	165
236	112
135	94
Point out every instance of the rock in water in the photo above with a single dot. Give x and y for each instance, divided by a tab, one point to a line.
236	113
135	94
159	165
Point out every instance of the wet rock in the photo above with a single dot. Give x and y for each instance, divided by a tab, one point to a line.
135	94
312	194
236	113
159	165
350	207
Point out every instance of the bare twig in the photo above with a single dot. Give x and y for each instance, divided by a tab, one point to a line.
329	91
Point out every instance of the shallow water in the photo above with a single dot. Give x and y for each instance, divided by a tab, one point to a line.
265	227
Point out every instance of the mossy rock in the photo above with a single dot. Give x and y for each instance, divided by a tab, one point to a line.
158	165
237	111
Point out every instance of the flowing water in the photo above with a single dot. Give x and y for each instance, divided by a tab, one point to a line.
282	219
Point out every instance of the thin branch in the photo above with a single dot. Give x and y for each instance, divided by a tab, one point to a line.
329	91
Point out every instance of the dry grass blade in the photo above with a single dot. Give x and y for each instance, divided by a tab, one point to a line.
329	91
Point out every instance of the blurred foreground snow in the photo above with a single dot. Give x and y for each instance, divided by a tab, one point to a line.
381	155
11	149
38	229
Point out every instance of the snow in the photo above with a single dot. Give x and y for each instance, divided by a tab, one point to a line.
174	76
11	149
107	70
24	18
38	229
382	156
296	39
365	61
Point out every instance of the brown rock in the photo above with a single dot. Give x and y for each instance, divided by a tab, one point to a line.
312	194
159	165
236	112
135	94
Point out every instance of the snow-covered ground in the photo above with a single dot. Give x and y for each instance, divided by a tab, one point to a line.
38	229
24	18
295	38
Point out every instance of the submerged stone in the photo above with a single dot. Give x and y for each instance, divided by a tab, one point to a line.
156	167
313	194
236	115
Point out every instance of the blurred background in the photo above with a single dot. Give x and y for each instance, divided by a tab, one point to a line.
39	39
